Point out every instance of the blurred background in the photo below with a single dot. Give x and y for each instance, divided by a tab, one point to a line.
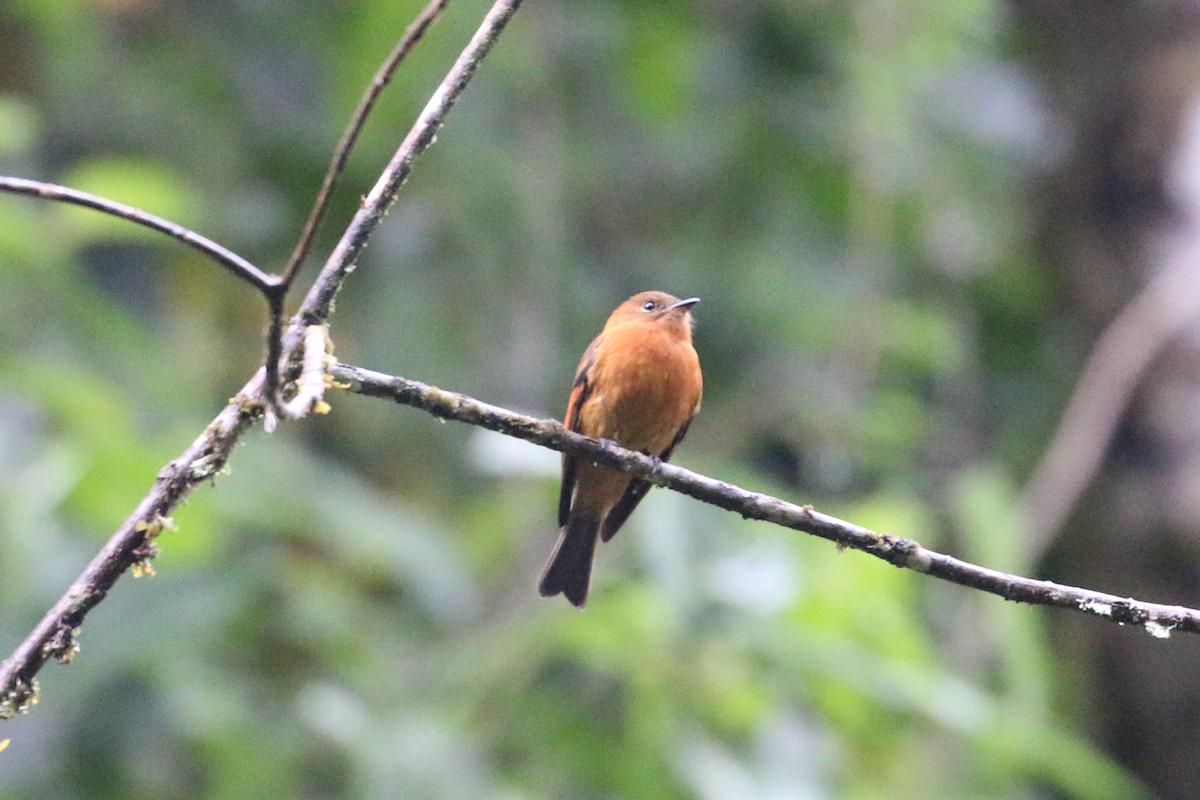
910	224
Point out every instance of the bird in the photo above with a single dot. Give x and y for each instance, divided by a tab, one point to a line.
638	384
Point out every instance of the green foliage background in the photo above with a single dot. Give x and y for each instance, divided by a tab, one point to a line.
351	612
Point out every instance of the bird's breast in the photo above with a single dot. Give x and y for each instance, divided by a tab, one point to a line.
645	385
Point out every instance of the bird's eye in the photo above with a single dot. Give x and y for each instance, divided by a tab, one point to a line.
649	305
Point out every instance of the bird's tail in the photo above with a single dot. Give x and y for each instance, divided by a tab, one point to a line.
570	567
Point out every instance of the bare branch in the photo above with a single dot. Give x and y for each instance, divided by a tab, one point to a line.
272	287
132	544
275	345
1159	620
316	307
341	154
226	258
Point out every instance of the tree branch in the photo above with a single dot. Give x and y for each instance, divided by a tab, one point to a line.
1158	620
318	304
274	287
316	307
341	154
132	544
226	258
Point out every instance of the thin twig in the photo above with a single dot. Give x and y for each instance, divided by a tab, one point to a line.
316	307
1158	620
383	76
226	258
272	287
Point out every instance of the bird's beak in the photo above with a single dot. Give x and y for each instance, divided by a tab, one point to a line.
691	301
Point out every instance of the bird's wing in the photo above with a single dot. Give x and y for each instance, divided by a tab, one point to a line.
579	395
635	492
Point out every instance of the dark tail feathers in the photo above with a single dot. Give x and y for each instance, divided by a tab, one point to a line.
570	568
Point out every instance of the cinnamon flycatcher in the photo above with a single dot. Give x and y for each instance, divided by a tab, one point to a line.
638	384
